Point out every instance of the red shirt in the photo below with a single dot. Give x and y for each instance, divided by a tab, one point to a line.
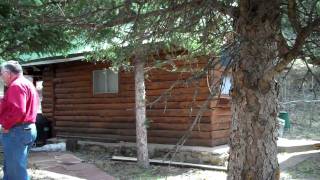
20	103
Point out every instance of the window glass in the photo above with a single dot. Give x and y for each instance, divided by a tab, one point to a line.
105	81
226	85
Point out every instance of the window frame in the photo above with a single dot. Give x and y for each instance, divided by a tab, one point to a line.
226	84
106	91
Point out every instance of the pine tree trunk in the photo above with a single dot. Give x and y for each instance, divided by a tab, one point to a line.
141	130
253	148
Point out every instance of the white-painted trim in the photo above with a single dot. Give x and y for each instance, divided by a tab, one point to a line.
53	61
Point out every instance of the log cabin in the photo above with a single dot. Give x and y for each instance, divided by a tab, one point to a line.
88	101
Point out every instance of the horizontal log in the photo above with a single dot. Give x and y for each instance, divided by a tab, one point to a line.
163	85
46	105
189	94
118	138
170	126
75	84
126	125
47	114
127	94
220	118
64	90
90	130
78	118
124	78
95	100
47	73
176	105
176	120
174	133
180	98
99	100
47	94
124	84
155	78
216	104
221	126
190	141
156	73
220	134
132	132
176	112
47	110
47	78
73	95
96	125
72	79
168	105
95	106
176	91
50	119
221	112
102	113
68	67
63	74
47	83
47	100
114	113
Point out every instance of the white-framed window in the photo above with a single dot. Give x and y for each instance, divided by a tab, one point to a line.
105	81
226	85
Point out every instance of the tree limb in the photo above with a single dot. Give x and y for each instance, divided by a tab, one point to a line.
292	53
231	11
292	14
310	70
121	19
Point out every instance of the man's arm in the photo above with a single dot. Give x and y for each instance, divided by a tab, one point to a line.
13	107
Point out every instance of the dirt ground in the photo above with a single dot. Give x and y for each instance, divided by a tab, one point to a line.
130	170
308	169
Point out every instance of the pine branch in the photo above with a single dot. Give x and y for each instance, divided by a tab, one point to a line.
122	19
292	14
295	51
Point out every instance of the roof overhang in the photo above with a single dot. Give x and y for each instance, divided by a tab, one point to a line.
53	61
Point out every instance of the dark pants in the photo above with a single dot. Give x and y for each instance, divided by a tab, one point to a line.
16	144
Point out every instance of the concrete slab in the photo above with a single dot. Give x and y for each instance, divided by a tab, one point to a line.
66	164
288	160
288	145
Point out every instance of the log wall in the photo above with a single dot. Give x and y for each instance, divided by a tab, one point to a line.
69	102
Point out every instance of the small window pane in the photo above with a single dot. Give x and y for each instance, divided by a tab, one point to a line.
112	81
105	81
226	85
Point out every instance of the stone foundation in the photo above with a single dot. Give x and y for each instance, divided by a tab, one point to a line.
190	154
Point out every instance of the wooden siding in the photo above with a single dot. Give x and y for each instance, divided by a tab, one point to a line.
68	100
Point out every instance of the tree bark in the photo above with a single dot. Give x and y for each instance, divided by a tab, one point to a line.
253	148
141	130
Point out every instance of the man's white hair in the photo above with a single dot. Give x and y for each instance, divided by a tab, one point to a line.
12	66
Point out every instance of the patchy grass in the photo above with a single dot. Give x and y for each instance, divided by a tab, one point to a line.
308	169
130	170
304	132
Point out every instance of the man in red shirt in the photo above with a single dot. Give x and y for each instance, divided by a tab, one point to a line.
18	111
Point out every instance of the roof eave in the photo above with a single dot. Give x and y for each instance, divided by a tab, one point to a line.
53	61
